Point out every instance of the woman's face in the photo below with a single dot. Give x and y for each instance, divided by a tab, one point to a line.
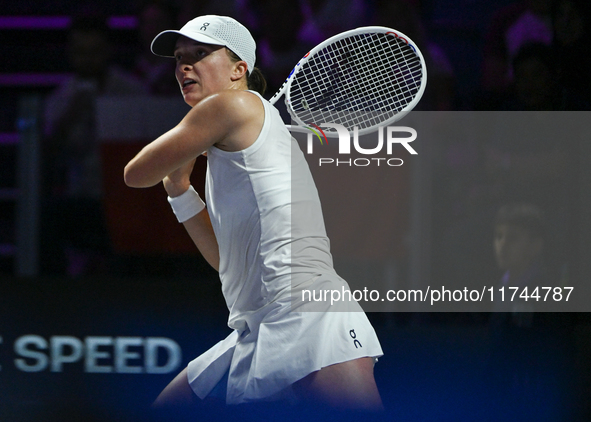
201	69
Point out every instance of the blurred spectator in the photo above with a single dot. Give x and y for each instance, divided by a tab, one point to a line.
530	349
404	17
191	9
511	28
519	157
572	42
73	227
157	73
536	86
325	18
278	46
519	236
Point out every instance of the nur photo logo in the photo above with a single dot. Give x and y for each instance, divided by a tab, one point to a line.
372	149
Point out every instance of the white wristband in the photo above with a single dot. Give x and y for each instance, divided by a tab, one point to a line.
186	205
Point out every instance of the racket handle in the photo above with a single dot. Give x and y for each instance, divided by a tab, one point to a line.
295	128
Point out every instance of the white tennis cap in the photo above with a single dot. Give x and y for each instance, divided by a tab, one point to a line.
210	29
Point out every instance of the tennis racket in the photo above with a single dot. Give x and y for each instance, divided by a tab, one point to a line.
366	77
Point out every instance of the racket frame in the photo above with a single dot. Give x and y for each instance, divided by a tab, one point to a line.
285	87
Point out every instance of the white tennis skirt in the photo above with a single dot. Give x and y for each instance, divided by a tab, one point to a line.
281	345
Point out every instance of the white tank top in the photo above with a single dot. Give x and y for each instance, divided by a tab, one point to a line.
266	215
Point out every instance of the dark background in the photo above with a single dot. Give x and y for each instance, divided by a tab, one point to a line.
445	366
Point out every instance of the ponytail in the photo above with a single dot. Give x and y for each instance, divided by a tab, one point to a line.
256	81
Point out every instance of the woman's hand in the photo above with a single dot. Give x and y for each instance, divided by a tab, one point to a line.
177	182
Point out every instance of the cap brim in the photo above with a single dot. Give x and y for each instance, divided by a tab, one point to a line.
164	43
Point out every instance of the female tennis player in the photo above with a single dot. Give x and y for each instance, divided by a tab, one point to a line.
262	229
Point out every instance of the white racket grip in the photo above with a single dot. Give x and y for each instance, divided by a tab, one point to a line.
295	128
186	205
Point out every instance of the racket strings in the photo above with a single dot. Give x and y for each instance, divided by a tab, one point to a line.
361	80
371	68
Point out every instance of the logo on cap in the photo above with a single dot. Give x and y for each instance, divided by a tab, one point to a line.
204	26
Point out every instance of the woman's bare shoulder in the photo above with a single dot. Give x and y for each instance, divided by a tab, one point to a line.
241	102
240	113
231	105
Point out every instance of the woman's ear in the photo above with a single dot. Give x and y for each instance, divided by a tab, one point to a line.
239	70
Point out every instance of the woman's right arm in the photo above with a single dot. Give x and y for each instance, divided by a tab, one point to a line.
225	118
232	119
